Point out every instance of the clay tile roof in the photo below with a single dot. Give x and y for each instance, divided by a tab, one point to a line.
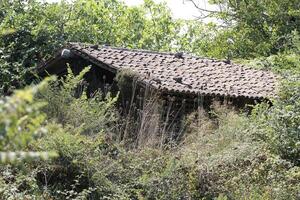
186	74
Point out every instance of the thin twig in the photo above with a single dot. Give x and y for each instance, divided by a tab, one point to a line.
203	9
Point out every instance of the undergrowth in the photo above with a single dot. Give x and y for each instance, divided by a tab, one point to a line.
221	155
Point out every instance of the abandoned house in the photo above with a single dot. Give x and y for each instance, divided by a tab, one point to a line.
182	80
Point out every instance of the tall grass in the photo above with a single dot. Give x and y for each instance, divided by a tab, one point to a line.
135	155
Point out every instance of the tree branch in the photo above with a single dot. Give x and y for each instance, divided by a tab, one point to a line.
202	9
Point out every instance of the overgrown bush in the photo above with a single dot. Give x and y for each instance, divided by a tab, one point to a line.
222	155
216	160
69	105
232	163
279	126
21	121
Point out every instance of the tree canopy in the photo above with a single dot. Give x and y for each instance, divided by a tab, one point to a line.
33	30
256	27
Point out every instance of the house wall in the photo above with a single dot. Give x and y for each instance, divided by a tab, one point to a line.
176	108
97	79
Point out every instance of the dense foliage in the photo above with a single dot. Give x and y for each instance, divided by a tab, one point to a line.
21	121
253	28
221	155
229	156
224	159
31	30
35	29
279	125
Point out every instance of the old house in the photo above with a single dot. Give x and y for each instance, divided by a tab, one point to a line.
182	80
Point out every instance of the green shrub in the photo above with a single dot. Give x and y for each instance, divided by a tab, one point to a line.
231	162
220	160
95	164
68	104
21	121
279	126
223	155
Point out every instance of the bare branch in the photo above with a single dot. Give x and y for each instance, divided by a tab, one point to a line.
203	16
202	9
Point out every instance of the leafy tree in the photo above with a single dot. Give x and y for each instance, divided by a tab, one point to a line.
256	27
40	28
33	37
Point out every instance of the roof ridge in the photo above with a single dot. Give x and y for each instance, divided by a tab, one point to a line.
86	45
89	45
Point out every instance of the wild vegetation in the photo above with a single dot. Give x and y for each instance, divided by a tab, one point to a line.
56	143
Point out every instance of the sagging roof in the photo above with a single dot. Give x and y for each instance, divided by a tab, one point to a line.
180	73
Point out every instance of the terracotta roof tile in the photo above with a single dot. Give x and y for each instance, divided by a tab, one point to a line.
198	75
